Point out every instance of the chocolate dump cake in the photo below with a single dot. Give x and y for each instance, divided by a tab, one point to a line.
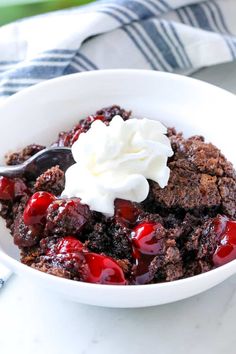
183	229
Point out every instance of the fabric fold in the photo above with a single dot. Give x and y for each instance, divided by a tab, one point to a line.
168	35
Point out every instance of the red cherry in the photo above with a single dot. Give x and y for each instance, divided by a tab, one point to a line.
35	210
68	244
76	135
226	251
224	255
102	270
146	238
230	232
99	117
7	188
148	242
92	119
220	224
126	212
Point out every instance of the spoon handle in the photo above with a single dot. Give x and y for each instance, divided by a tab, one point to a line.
12	171
39	163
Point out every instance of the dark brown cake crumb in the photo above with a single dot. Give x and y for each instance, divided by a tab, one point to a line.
200	178
52	181
6	212
113	111
104	114
98	240
227	189
57	269
23	235
16	158
67	217
29	255
188	190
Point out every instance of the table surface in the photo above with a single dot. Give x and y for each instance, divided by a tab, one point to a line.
35	321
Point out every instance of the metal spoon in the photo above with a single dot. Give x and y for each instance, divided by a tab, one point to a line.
40	162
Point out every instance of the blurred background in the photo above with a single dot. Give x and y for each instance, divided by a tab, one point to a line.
11	10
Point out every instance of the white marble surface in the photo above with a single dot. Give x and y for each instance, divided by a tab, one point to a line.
35	321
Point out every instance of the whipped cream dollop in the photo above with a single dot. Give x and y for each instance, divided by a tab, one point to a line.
115	161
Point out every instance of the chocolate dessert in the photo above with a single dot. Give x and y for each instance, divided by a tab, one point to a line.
181	230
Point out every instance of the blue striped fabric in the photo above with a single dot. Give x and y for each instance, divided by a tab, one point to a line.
168	35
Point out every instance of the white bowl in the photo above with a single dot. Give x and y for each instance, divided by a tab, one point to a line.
37	114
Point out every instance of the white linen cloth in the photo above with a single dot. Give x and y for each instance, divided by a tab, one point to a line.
168	35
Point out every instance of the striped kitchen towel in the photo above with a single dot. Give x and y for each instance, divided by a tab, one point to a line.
168	35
